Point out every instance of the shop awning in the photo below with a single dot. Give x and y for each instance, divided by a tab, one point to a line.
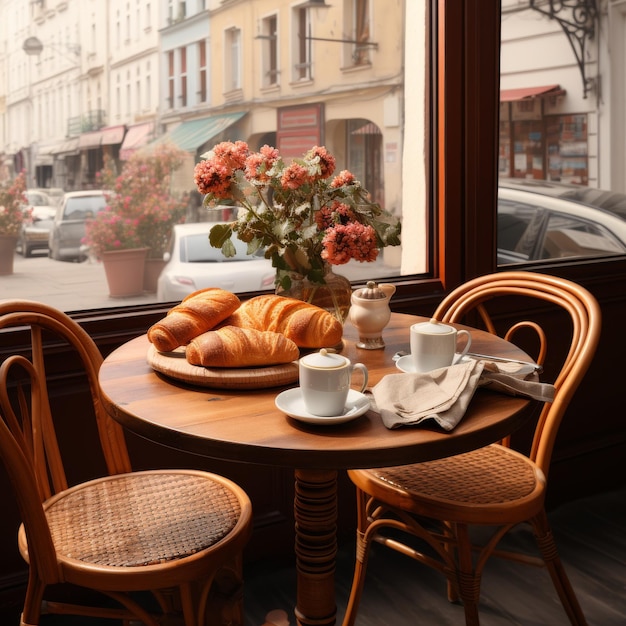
68	147
368	129
192	135
136	137
112	135
90	140
525	93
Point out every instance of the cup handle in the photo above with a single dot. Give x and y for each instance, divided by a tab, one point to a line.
466	348
363	368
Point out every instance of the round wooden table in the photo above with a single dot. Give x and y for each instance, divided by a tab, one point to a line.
245	425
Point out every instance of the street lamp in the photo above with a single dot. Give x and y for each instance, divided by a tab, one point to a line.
34	47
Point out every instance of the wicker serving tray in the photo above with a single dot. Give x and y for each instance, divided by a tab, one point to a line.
174	365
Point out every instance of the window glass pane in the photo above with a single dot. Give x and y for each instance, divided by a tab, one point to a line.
561	113
195	74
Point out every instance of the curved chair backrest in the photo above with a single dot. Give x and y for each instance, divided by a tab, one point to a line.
57	330
580	306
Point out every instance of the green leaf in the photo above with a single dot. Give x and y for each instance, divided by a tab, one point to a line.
220	234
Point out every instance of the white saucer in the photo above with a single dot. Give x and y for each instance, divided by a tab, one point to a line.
405	363
292	403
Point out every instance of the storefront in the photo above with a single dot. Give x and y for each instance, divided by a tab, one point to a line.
534	144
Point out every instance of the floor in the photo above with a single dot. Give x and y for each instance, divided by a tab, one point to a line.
590	534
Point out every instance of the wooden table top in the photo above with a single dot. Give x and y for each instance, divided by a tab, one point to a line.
245	425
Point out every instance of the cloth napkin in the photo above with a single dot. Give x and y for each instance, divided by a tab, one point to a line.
443	395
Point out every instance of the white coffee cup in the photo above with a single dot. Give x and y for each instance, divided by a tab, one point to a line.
325	379
433	345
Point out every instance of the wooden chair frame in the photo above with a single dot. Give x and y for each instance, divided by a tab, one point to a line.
178	534
439	501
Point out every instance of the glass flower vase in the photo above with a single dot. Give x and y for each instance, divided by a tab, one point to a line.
334	294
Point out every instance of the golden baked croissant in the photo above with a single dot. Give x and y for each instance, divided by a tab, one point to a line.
307	325
197	313
230	346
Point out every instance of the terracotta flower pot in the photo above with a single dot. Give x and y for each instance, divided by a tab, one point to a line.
153	270
124	271
8	244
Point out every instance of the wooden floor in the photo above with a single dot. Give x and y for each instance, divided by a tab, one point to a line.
590	534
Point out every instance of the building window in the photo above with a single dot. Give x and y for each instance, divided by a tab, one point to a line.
302	44
170	79
202	71
269	44
183	77
232	58
360	29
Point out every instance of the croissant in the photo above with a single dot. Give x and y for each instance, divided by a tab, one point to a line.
197	313
230	346
307	325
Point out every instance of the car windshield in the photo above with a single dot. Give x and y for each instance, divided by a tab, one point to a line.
608	200
196	249
37	199
84	207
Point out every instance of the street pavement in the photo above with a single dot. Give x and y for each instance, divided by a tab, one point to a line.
66	286
74	287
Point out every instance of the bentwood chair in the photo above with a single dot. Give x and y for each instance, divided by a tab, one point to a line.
438	502
178	534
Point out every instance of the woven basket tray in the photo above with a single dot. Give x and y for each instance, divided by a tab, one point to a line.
174	365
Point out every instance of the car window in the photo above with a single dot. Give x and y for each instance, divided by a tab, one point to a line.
530	233
196	249
83	208
37	199
568	236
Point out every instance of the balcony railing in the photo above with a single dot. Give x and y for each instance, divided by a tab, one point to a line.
92	120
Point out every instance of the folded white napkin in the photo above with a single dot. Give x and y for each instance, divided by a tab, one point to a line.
443	395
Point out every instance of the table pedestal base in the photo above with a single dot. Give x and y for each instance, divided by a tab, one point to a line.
315	511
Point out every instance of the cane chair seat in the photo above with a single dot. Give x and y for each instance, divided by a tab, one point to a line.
427	510
176	533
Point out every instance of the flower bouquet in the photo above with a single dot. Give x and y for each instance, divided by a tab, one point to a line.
302	216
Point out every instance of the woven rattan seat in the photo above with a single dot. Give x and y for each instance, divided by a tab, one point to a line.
494	487
177	533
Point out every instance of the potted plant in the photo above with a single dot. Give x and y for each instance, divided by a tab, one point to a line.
12	217
141	210
306	219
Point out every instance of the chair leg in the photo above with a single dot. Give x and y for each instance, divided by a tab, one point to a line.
358	581
31	613
564	589
469	580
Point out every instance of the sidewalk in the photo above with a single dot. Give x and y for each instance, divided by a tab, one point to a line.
66	286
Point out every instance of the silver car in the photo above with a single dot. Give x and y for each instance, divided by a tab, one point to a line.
541	220
36	230
194	264
65	243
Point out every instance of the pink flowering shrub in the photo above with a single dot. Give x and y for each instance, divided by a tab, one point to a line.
141	209
11	201
300	213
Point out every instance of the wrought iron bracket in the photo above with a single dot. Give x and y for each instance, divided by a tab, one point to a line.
577	18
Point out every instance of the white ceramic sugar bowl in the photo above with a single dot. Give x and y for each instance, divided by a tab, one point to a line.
370	313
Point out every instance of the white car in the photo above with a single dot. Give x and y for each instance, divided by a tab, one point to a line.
194	264
541	220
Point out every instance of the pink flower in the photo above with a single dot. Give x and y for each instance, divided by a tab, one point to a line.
326	160
258	164
349	241
213	176
343	178
294	176
233	155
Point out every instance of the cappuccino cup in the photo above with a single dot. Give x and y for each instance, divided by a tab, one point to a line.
434	345
325	380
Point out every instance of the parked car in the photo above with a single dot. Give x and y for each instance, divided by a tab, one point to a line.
54	193
36	230
68	229
542	220
192	264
